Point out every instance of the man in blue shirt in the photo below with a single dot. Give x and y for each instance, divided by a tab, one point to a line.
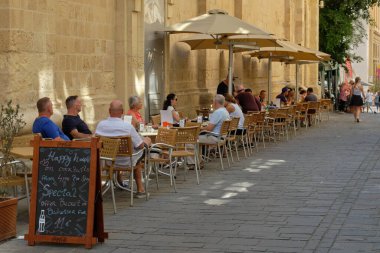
216	120
44	125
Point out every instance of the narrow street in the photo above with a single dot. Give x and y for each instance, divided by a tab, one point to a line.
317	192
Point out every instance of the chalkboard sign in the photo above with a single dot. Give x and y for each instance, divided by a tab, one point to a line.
63	192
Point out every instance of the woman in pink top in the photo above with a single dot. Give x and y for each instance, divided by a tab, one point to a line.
135	105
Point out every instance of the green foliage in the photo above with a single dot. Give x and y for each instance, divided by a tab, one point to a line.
11	122
341	27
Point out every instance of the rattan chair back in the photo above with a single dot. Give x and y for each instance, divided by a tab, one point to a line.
156	119
110	147
167	136
187	135
224	128
234	124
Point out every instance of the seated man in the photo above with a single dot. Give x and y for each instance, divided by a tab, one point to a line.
219	115
310	97
115	126
44	125
283	96
247	101
72	125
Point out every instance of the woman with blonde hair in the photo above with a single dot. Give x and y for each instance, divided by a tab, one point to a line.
357	99
235	111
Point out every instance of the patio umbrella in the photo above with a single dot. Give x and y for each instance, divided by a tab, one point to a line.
240	42
219	25
289	53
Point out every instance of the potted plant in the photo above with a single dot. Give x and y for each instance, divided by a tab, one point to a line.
11	122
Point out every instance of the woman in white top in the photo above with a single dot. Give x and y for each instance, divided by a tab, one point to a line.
169	104
235	111
356	98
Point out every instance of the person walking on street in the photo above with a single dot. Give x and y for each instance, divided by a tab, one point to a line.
369	100
377	101
357	99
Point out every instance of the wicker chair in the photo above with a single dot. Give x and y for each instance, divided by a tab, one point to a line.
220	142
108	153
256	130
231	138
303	109
165	141
281	122
313	112
244	138
325	108
20	174
187	146
156	119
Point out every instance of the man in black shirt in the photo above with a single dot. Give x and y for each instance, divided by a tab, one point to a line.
72	125
223	86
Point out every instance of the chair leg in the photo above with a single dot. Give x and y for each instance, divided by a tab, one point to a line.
113	194
146	179
228	159
237	152
156	171
243	143
131	182
255	140
198	160
230	148
172	174
196	166
221	157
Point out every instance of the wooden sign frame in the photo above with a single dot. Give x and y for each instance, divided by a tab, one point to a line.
92	232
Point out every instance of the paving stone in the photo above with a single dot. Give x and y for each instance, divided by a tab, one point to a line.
318	192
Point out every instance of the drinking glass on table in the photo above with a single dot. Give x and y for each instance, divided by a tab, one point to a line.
149	128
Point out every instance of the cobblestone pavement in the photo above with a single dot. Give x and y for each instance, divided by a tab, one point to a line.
318	192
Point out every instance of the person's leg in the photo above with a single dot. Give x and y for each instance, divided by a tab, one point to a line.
358	113
341	105
138	177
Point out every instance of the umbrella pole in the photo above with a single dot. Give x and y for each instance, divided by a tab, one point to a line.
230	63
269	80
297	72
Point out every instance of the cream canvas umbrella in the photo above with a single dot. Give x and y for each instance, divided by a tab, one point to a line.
240	42
218	25
289	53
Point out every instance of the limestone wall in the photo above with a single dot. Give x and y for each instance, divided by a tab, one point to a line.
95	49
56	49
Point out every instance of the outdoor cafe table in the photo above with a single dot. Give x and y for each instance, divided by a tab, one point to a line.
22	152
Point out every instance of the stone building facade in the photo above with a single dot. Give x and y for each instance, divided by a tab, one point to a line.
95	49
374	48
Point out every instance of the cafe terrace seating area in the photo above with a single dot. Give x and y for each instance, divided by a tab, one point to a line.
167	160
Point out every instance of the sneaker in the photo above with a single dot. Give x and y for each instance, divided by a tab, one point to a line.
125	183
141	195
